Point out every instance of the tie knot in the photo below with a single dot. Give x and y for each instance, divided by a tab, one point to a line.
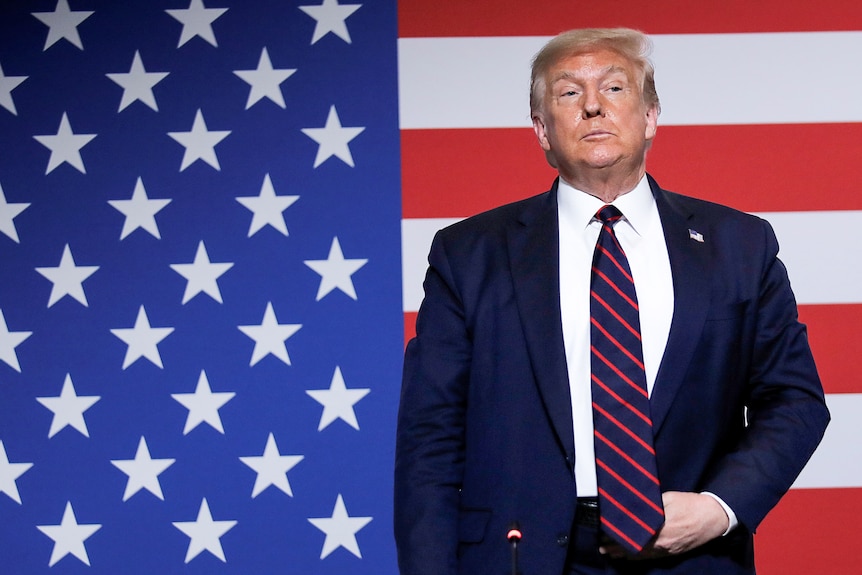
609	214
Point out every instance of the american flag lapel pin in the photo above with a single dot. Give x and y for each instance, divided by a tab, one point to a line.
695	235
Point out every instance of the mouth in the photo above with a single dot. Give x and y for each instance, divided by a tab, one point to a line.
596	135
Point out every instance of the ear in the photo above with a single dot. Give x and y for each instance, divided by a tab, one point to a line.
541	134
651	123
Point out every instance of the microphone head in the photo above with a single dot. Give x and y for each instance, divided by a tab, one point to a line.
514	535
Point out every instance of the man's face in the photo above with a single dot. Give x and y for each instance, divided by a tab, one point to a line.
593	115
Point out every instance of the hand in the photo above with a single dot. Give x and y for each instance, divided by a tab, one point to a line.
691	519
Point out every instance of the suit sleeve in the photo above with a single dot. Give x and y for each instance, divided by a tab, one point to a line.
431	426
786	412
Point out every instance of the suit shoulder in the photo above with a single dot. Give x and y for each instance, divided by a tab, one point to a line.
716	213
728	230
497	220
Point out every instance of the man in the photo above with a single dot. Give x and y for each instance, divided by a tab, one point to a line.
501	421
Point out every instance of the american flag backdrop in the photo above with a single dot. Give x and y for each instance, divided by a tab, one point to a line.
760	110
201	330
214	217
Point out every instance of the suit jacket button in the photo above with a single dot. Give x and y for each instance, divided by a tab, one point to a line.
563	540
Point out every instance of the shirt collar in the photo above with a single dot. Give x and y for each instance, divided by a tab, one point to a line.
578	207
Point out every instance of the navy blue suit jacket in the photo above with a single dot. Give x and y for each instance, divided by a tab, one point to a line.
485	426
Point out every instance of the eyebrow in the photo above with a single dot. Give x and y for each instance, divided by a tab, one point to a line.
607	71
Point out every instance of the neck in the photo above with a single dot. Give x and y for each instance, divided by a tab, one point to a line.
604	185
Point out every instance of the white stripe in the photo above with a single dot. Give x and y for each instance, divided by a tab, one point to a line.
838	460
465	82
702	79
821	250
416	237
822	253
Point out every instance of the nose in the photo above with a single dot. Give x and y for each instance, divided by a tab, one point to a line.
593	105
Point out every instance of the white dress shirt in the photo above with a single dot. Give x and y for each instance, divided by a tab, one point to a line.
641	236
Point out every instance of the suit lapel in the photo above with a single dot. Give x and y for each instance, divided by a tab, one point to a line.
691	298
534	259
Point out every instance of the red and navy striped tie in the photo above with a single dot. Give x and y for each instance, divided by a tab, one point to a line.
629	494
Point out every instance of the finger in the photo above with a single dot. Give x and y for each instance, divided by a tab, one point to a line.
668	497
613	550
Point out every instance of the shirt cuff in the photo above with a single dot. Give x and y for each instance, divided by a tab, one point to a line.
732	521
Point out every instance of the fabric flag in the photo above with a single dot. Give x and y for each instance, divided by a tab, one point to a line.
758	112
202	219
200	319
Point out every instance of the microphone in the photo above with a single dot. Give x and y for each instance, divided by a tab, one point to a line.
514	536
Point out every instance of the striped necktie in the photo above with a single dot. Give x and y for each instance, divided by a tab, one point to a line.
629	494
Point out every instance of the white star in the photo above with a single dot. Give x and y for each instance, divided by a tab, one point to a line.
138	84
330	17
266	207
203	405
200	143
62	23
65	146
68	408
269	336
271	468
340	529
9	473
140	211
7	84
69	536
142	340
337	401
204	533
333	140
197	21
265	81
202	275
9	340
68	279
335	271
8	213
143	471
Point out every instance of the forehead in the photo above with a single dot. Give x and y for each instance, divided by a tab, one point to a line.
592	64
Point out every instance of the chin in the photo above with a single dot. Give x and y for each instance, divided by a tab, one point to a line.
601	162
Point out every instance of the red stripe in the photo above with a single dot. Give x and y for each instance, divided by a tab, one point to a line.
613	312
623	428
761	168
613	394
503	165
808	165
619	266
409	325
610	230
627	457
620	346
608	281
616	476
421	18
811	531
833	330
631	515
624	377
608	525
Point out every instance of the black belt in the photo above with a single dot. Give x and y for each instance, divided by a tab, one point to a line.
587	512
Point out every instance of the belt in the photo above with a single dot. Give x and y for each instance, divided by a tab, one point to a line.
587	512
